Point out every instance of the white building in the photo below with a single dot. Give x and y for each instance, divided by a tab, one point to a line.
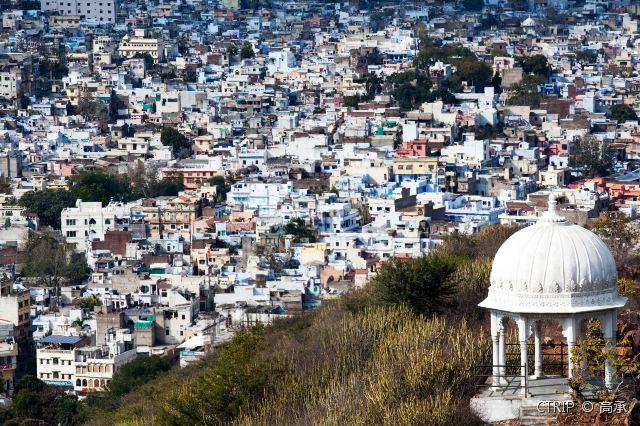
99	11
70	362
336	217
89	221
142	43
264	197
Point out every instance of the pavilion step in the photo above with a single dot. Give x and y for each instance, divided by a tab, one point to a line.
530	416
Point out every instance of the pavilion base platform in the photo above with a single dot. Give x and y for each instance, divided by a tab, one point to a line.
494	404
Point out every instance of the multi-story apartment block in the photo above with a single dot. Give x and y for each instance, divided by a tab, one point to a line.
89	221
70	362
96	365
8	357
55	359
170	216
336	217
100	11
14	307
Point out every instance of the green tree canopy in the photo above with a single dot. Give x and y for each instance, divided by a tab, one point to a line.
536	64
99	186
93	110
410	88
421	283
136	373
300	230
48	204
473	5
178	142
247	51
89	302
475	72
526	92
51	261
222	188
591	156
622	113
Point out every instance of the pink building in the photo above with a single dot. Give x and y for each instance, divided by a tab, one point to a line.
415	148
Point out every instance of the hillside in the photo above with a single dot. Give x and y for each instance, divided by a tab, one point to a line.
401	351
374	366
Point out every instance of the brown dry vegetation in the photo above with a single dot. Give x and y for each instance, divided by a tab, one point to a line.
353	361
376	366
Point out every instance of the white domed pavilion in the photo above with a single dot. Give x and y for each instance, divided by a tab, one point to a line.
553	270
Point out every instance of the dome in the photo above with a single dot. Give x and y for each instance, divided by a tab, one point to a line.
553	266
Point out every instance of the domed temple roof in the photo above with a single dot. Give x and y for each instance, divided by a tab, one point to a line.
553	266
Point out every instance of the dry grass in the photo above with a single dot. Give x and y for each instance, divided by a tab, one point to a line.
329	367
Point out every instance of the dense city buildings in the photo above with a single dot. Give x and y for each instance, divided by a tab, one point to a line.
174	173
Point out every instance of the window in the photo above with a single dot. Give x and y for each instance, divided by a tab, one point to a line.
166	332
71	234
71	222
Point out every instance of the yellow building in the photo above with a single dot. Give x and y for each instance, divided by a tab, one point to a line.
415	167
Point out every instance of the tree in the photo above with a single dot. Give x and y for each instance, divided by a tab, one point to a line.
136	373
89	303
622	113
145	183
148	59
591	156
65	410
300	230
536	64
247	51
410	88
35	402
373	86
475	72
232	50
51	261
27	404
586	56
473	5
190	76
5	185
92	110
526	92
351	101
432	52
53	70
96	185
483	245
48	204
423	283
621	234
222	188
177	141
488	132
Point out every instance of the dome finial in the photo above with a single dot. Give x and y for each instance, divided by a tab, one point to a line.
552	204
551	215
